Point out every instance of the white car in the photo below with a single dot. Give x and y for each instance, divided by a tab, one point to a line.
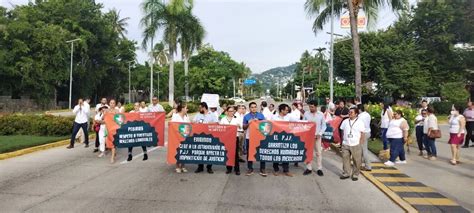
237	100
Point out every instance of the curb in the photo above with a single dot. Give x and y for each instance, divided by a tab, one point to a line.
29	150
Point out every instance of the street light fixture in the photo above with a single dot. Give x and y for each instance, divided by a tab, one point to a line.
70	74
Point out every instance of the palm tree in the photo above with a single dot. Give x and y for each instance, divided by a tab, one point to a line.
118	24
320	59
166	17
160	55
191	39
370	7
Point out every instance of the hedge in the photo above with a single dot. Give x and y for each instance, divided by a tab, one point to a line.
444	107
375	112
40	125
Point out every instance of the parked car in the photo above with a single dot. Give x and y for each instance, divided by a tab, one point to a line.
237	100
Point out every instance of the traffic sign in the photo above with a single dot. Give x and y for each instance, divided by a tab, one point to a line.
249	82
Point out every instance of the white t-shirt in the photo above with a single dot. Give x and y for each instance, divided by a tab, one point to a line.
100	117
120	109
295	114
99	105
395	128
277	117
155	108
385	118
234	121
365	117
143	109
82	113
430	122
240	119
267	113
177	118
353	130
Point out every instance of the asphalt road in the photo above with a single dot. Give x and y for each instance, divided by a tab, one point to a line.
76	180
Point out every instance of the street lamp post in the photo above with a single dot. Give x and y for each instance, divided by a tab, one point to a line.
70	73
331	70
129	82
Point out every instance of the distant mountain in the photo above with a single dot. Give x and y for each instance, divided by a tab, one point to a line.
281	75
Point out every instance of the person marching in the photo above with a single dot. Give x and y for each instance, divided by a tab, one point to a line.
206	117
397	135
230	119
420	119
429	126
103	102
143	107
112	109
136	109
99	120
241	110
317	117
386	116
81	110
283	110
353	135
155	106
181	115
253	115
469	115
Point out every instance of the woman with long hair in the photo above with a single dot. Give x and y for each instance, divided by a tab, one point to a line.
112	109
430	125
385	118
230	119
181	115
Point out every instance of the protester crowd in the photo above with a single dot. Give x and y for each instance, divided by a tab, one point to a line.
348	126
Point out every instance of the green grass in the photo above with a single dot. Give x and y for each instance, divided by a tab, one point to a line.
17	142
375	146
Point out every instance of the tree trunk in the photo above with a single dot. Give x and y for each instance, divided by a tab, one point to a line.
186	83
353	10
152	62
171	81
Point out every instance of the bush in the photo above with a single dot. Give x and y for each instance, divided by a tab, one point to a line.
167	107
277	99
227	102
192	107
444	107
128	107
375	112
41	125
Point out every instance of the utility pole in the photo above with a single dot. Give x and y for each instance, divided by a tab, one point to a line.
331	65
70	73
233	83
129	82
152	57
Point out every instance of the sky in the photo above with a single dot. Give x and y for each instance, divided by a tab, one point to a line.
263	34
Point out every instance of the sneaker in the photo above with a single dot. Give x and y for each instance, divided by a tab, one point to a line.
178	170
389	163
453	162
288	174
199	170
262	173
432	158
228	171
69	147
355	178
101	155
86	146
276	173
464	146
401	162
184	170
307	172
421	153
426	156
343	177
320	173
129	157
96	150
237	172
145	157
249	172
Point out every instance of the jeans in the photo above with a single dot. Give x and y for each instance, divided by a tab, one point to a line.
237	152
469	135
396	149
419	137
286	167
365	151
429	145
384	138
75	129
250	163
97	142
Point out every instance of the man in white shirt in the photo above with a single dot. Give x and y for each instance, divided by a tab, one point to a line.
353	135
241	111
266	111
317	117
282	115
365	118
295	112
206	117
81	110
155	106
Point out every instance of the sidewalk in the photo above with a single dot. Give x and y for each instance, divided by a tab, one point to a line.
454	182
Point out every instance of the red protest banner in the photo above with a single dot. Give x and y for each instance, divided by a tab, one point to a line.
281	141
201	143
135	129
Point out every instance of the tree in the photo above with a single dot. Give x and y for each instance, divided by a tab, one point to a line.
191	39
166	17
370	7
119	25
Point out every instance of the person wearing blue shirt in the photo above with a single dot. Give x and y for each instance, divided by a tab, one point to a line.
206	117
248	118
